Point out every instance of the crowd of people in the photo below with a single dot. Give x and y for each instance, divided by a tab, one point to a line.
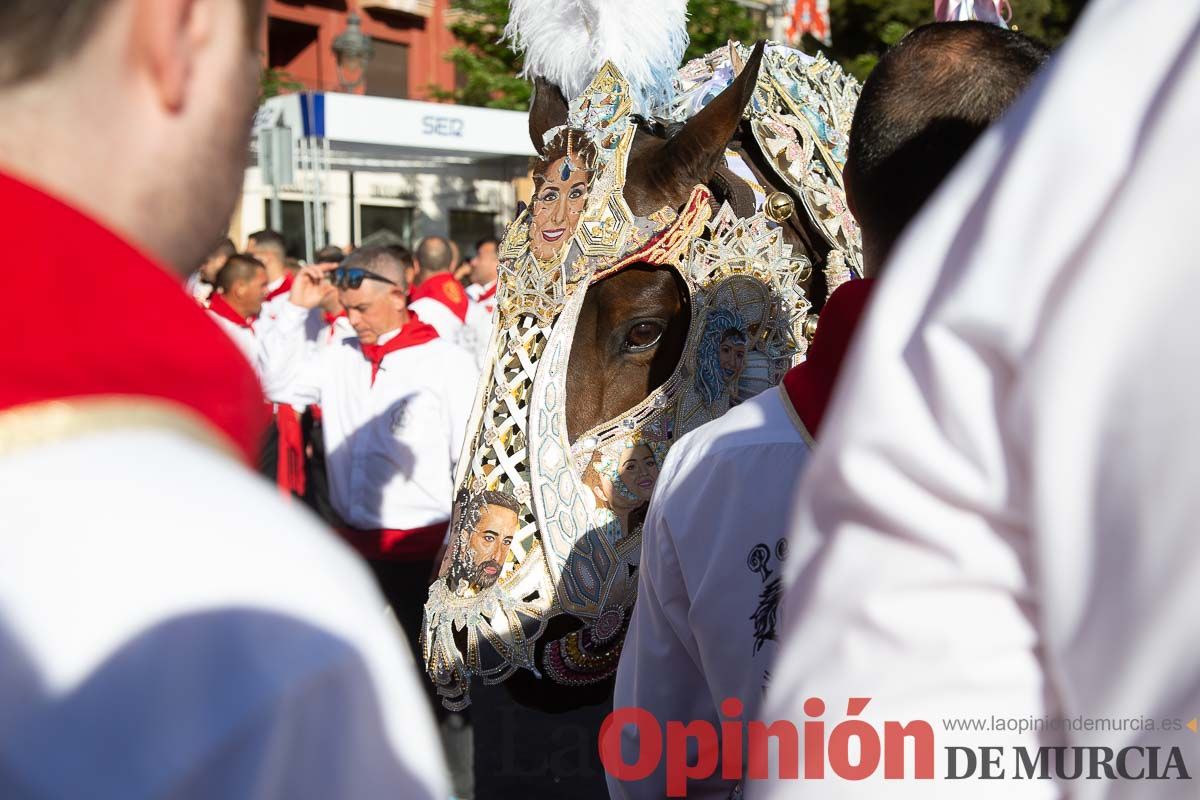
369	363
973	495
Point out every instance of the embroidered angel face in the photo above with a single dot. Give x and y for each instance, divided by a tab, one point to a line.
560	192
721	355
732	355
626	483
637	472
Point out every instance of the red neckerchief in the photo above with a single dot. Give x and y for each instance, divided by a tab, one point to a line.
491	292
162	346
810	383
218	305
413	333
283	288
447	291
331	320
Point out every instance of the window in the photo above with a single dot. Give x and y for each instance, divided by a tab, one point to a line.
468	227
387	73
292	49
293	226
396	220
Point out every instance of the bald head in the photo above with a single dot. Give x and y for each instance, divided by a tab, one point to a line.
924	105
434	254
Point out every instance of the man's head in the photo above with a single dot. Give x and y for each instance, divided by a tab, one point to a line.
330	254
243	283
486	262
323	258
269	248
492	536
433	255
924	105
379	304
165	91
216	260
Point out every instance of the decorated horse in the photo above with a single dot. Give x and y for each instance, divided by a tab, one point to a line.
685	226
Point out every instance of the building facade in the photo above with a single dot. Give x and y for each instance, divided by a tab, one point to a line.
389	160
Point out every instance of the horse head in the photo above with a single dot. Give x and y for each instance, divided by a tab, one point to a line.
648	287
633	324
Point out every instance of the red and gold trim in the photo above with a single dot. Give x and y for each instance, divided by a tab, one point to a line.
123	333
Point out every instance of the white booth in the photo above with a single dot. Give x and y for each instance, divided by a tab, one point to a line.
358	165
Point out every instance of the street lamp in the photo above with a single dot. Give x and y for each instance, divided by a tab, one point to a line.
353	50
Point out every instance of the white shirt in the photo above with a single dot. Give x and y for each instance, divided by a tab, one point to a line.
479	320
703	627
1005	494
449	327
199	289
443	320
251	341
171	629
320	334
391	447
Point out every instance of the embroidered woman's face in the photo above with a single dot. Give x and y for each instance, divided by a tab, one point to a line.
638	471
560	194
732	355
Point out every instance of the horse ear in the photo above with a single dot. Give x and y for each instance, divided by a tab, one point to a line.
547	110
695	152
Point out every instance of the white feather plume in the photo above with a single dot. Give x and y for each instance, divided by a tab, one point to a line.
567	42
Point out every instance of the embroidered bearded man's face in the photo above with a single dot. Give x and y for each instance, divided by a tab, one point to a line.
491	540
560	192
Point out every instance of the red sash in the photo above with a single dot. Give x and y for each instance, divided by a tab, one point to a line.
162	346
218	305
390	544
443	288
810	384
283	288
413	333
289	472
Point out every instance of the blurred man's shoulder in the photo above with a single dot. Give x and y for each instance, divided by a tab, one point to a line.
133	508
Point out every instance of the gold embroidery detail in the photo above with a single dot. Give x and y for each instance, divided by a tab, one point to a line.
53	421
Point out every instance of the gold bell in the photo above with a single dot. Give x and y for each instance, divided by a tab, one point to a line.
810	326
779	206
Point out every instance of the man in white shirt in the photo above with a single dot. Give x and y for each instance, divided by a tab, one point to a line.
1003	508
436	296
236	308
715	542
168	628
241	288
269	247
394	406
202	282
481	295
395	401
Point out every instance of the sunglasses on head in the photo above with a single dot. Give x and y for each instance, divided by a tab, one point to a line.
353	277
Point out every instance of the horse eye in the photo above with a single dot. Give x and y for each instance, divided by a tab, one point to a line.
642	336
